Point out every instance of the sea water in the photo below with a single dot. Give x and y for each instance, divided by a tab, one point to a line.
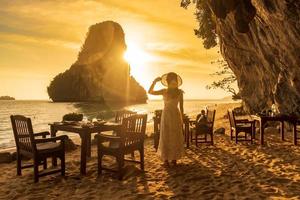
44	112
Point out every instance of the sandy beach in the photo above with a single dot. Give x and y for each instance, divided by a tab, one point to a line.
223	171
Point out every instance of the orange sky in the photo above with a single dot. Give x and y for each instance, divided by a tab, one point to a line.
39	39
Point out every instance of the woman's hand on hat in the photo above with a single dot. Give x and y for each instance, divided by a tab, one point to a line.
157	79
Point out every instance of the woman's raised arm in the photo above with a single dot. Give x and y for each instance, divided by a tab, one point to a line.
151	89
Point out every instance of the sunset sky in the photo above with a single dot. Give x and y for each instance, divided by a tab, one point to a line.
39	39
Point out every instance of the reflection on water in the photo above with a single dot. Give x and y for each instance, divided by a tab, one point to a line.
44	112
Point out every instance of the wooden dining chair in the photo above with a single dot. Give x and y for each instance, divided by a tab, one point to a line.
156	126
39	149
121	114
130	139
201	136
238	126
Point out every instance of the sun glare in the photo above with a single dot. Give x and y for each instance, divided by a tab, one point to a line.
138	60
135	55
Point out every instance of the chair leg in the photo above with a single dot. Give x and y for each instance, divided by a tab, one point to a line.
236	137
36	170
100	156
19	165
142	158
231	137
196	140
212	138
120	160
45	163
191	136
63	164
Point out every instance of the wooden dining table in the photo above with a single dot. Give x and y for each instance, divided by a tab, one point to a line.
85	133
263	120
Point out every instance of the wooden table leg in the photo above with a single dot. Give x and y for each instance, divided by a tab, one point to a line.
53	132
282	130
88	148
83	153
261	124
255	123
295	133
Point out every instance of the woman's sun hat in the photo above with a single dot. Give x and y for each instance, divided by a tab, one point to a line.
165	82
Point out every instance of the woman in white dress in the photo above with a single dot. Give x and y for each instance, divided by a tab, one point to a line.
171	141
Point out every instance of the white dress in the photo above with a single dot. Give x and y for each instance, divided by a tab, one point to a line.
171	141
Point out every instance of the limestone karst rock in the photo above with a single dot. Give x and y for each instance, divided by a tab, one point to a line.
265	57
100	72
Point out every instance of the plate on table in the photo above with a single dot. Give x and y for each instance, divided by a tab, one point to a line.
99	122
70	122
57	123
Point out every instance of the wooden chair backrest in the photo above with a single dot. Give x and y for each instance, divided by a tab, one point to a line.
133	129
211	117
231	118
23	133
120	115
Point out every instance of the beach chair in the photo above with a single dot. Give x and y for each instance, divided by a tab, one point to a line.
130	139
240	126
39	149
201	136
156	124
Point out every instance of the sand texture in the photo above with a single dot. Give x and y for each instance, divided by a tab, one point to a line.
222	171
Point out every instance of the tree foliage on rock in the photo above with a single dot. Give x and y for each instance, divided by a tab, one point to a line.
207	32
207	25
226	83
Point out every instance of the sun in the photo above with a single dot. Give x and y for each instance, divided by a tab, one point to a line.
135	55
138	60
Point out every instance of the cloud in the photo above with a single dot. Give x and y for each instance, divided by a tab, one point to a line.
155	12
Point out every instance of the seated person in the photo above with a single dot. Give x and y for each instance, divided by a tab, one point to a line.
201	123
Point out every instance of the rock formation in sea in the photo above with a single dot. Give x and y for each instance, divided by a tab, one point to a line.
260	40
7	98
100	72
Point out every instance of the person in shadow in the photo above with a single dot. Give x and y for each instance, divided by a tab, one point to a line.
201	123
171	140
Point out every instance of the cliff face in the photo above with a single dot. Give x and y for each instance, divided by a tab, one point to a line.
260	40
100	72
